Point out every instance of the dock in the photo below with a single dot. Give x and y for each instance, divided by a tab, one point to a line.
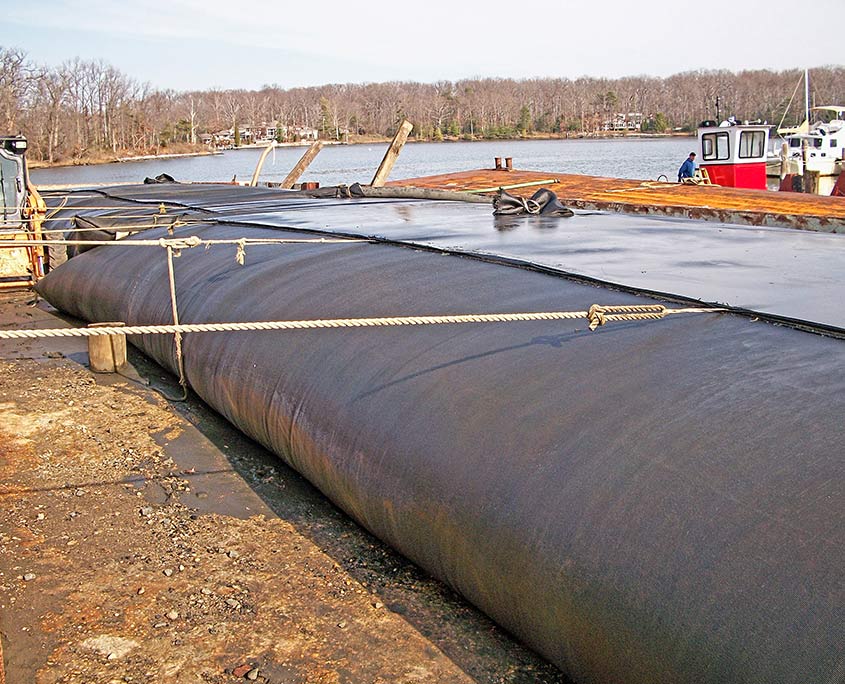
705	202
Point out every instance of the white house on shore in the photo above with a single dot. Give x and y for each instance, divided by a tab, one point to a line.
258	134
620	121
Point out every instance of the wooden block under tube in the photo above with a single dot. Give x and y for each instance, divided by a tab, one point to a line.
106	353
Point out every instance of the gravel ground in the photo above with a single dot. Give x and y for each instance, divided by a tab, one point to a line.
148	541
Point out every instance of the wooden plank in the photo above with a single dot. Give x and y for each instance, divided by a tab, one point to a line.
302	164
392	153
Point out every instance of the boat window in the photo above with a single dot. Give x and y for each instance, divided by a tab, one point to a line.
751	144
8	181
715	146
833	142
794	142
817	142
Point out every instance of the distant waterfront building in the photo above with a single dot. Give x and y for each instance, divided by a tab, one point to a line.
620	121
259	134
305	133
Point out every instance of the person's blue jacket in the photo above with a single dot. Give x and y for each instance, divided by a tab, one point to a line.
687	170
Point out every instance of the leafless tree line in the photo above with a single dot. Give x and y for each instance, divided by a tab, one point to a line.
83	108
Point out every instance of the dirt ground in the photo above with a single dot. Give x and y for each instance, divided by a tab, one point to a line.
143	540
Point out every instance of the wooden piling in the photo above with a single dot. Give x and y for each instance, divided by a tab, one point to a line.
106	353
302	164
804	156
811	181
392	153
784	160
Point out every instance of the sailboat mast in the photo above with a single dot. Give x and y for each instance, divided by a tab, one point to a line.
807	96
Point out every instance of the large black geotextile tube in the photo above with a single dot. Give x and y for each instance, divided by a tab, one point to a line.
651	502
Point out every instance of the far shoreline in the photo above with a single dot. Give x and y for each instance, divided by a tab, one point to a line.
368	140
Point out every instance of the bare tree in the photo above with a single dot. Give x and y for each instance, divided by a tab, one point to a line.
88	107
17	78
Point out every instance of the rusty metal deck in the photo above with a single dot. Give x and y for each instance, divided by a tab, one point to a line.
729	205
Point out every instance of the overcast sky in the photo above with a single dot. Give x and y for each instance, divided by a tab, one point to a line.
200	44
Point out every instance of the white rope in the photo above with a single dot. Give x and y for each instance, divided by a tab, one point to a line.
57	209
122	228
597	315
177	337
192	241
156	215
785	111
173	246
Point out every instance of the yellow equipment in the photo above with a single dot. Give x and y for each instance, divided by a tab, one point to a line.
21	217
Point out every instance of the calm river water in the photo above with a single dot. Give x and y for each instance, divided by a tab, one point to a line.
620	158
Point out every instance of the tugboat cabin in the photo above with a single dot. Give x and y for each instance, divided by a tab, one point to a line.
734	156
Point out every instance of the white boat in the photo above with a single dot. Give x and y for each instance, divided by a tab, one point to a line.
824	141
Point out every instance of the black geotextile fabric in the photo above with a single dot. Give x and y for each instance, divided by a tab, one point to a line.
651	502
778	271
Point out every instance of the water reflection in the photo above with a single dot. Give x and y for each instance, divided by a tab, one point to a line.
405	212
506	224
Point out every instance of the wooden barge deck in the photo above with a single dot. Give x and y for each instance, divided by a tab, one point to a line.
729	205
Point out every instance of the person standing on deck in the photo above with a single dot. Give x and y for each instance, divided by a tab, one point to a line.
687	169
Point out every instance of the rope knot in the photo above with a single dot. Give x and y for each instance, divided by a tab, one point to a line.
599	315
596	316
178	244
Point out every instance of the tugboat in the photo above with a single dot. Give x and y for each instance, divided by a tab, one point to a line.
733	155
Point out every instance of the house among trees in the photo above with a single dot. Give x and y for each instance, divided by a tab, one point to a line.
224	139
304	133
632	121
262	134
